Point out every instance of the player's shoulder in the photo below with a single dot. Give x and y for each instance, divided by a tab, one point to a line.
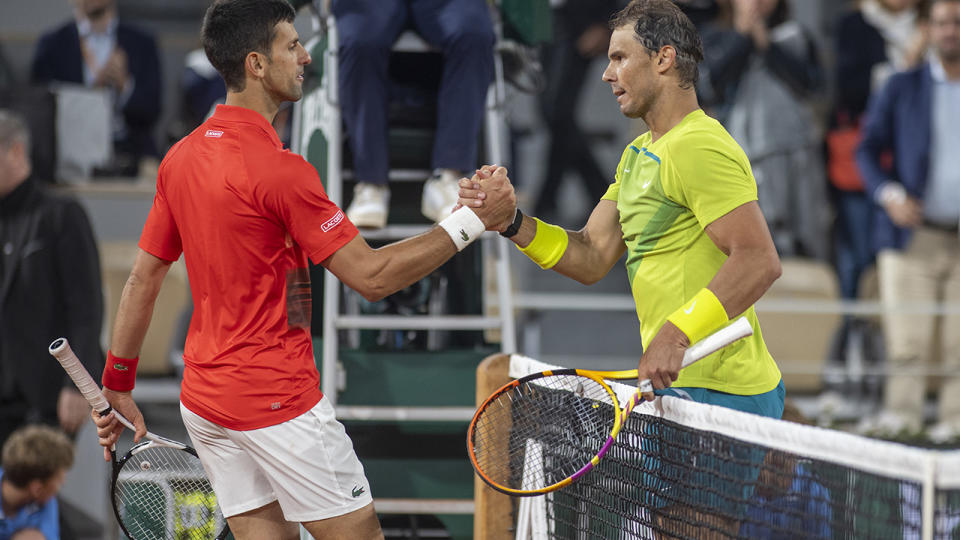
59	33
175	151
704	134
286	165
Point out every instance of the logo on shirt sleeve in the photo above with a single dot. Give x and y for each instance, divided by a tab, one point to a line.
332	222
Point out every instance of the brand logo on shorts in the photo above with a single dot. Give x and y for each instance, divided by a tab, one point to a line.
216	134
357	491
332	222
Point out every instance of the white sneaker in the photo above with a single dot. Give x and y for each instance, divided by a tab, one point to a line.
440	194
369	206
888	424
944	432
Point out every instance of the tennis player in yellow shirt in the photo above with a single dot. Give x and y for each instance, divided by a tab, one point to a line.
684	208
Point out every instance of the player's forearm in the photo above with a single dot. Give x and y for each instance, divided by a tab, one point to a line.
584	260
744	277
587	254
136	305
401	264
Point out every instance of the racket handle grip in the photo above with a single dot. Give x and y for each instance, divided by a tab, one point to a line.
737	330
60	349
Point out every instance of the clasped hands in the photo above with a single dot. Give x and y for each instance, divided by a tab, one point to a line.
490	194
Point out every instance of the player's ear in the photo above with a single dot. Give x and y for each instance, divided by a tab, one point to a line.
666	57
256	64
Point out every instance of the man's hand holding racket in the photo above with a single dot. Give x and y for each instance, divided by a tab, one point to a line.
663	357
109	428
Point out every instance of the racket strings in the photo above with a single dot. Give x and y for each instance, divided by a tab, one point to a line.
534	435
162	493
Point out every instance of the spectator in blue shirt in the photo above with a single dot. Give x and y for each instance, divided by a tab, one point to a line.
35	463
788	499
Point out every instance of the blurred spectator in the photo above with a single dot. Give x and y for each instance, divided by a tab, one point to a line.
203	88
35	463
788	498
99	51
6	73
49	287
916	117
872	41
463	30
580	35
763	69
700	12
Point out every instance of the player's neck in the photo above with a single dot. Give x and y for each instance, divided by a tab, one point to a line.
671	108
256	99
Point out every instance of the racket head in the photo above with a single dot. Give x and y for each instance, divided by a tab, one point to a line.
161	491
528	437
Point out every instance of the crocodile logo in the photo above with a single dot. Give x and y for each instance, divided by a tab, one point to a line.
357	491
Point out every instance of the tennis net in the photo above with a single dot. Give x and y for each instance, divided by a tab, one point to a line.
681	469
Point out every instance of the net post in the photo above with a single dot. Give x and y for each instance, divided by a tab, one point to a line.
927	503
493	514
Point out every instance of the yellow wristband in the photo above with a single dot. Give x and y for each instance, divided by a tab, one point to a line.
700	316
547	246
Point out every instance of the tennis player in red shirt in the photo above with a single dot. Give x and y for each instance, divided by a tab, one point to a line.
246	215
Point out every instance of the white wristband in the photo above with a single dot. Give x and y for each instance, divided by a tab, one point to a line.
463	226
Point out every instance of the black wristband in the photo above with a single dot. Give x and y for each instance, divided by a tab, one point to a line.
515	226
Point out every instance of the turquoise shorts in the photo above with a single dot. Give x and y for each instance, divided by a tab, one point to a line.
714	473
766	404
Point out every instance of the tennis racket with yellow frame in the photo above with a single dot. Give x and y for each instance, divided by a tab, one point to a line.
561	409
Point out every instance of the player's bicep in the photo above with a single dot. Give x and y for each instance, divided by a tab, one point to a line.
744	227
352	263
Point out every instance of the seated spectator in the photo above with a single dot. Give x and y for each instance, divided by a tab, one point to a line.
916	118
35	463
764	71
49	287
463	30
99	51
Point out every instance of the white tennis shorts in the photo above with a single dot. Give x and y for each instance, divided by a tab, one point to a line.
307	464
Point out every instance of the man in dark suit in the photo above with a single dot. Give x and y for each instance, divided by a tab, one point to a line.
916	117
49	287
97	50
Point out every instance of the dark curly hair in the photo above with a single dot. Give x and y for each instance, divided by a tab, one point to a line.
657	23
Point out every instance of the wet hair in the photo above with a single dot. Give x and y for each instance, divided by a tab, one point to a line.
232	29
657	23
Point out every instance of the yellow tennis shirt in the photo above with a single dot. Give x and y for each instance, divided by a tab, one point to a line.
667	192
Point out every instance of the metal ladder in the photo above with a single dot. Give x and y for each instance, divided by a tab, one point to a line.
317	136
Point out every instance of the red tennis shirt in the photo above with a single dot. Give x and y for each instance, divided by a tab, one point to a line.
246	214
